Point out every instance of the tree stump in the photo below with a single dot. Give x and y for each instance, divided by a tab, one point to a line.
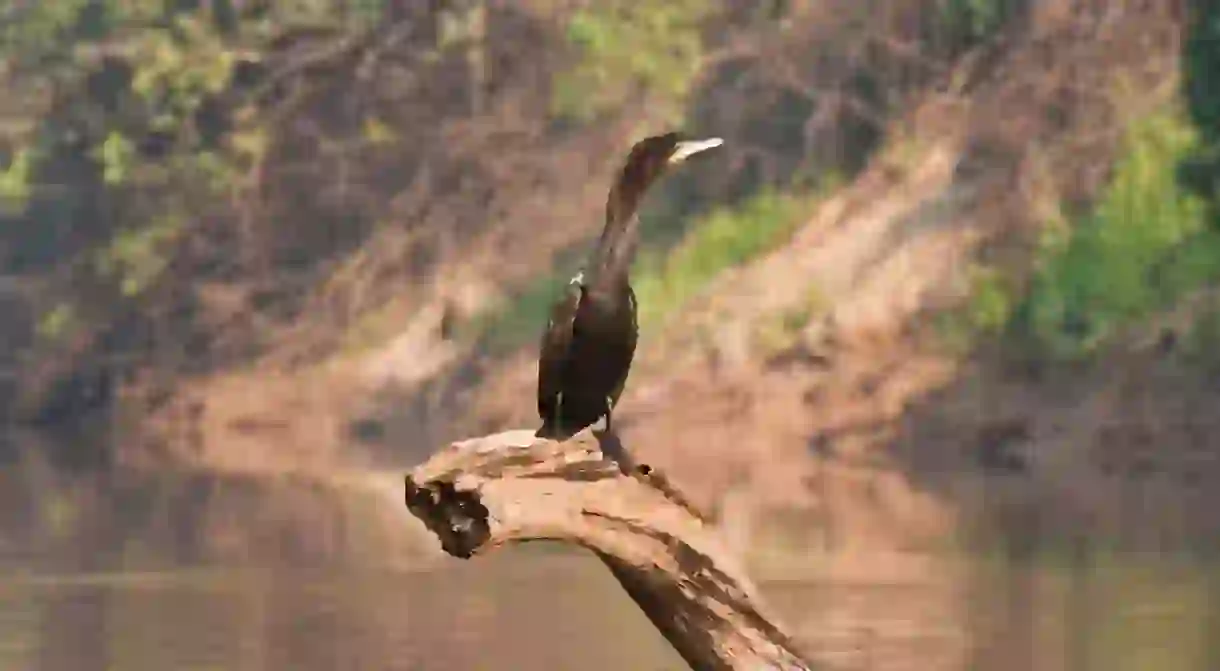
483	493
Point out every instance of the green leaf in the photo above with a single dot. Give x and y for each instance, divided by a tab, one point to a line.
115	154
15	182
624	46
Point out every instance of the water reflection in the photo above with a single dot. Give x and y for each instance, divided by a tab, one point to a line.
530	611
156	584
507	615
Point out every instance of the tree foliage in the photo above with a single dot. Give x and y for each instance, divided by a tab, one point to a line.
626	47
1147	242
145	149
189	186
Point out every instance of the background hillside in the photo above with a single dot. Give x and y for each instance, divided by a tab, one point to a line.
934	333
942	237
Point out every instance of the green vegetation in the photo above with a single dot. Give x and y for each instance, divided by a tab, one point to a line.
1151	239
665	278
112	142
967	23
626	47
986	313
724	238
189	184
521	319
1147	242
1201	62
168	166
60	322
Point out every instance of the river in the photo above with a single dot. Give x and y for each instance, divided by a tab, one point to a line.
256	591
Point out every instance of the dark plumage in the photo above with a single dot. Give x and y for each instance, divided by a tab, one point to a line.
591	336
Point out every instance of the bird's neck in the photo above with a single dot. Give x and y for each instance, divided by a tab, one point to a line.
610	262
610	265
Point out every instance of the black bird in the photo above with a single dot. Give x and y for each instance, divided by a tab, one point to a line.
590	339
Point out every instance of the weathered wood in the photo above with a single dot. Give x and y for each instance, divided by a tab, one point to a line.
487	492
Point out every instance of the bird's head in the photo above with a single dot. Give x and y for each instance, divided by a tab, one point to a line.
648	159
651	156
646	162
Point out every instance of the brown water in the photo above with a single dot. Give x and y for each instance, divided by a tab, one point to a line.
194	575
517	615
523	610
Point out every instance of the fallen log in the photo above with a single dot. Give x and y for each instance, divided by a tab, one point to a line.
484	493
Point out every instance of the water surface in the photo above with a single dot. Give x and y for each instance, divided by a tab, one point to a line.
189	573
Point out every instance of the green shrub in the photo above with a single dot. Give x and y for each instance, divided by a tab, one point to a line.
721	239
1201	64
966	23
1146	242
1200	69
987	311
628	45
523	317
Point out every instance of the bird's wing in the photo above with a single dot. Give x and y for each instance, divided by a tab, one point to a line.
556	343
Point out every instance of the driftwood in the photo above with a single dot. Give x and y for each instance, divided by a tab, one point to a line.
512	487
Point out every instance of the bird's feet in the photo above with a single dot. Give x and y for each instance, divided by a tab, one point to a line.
547	430
609	414
553	432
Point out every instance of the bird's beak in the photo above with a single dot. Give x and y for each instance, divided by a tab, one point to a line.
688	148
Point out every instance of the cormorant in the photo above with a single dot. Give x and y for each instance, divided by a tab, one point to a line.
590	339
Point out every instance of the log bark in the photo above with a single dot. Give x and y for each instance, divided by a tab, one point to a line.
484	493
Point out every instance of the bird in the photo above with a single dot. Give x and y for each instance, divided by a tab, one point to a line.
590	338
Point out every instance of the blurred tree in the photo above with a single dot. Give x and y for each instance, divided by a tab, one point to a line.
1201	77
135	140
628	47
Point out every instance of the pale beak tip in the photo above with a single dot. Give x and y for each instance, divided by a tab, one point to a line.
689	148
